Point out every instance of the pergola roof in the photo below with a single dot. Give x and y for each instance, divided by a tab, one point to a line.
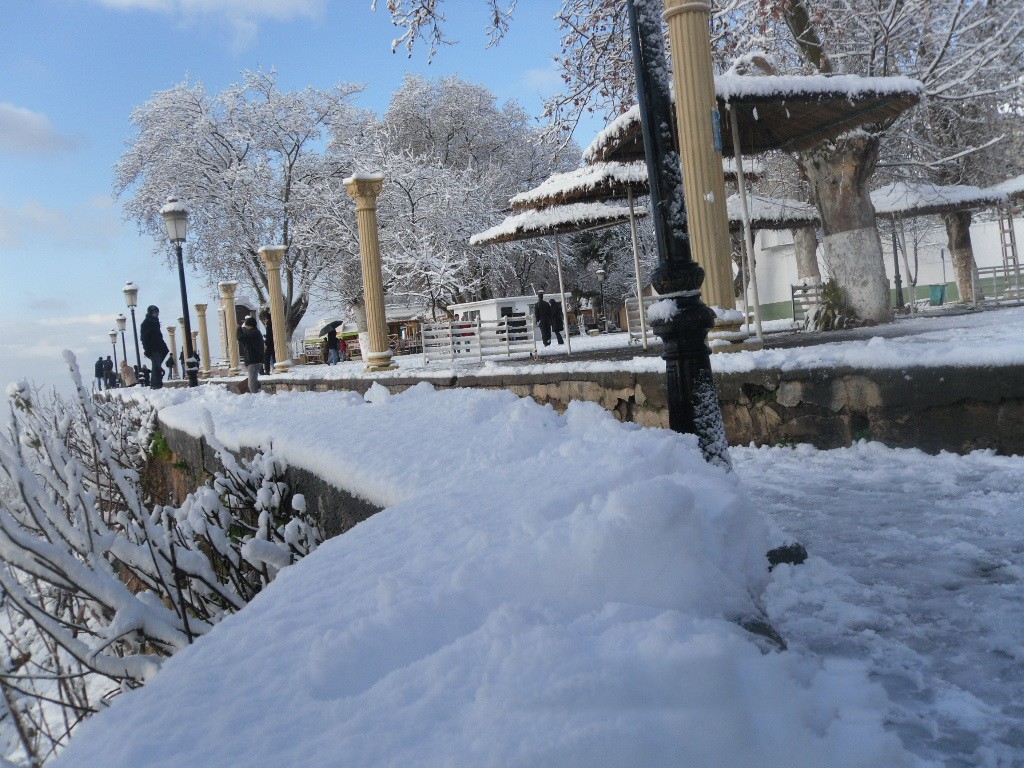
603	181
574	217
785	112
772	213
926	199
1013	189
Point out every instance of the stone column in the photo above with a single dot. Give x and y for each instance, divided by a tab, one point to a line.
364	190
204	341
272	256
700	146
227	299
174	351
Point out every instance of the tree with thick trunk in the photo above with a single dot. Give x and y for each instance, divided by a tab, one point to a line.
958	231
805	246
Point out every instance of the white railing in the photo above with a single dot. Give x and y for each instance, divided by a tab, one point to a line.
999	284
478	339
633	318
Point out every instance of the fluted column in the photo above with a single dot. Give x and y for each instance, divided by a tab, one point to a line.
364	189
227	300
272	256
700	147
174	350
204	340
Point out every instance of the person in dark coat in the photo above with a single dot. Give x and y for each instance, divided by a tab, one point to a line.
251	348
268	344
144	375
332	346
557	324
101	377
542	312
154	346
108	373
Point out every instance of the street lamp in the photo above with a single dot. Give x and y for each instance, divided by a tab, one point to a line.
175	219
113	344
131	298
121	321
600	282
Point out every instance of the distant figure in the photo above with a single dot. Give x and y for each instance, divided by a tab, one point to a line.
153	345
128	375
170	366
251	348
331	345
109	378
343	350
144	376
557	325
543	314
268	343
98	371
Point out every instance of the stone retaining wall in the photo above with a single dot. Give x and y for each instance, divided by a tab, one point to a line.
934	409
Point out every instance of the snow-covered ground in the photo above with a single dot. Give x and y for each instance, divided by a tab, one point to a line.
546	589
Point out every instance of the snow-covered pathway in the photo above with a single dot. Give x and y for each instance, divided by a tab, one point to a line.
916	568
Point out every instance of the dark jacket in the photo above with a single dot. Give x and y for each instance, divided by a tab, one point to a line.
556	316
250	345
268	338
542	311
153	344
332	339
98	368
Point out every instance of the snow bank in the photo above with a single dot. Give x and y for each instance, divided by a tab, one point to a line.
540	590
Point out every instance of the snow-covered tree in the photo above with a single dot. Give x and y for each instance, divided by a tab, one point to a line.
248	164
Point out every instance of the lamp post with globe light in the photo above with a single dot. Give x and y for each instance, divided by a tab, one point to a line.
600	282
131	298
176	219
113	345
122	321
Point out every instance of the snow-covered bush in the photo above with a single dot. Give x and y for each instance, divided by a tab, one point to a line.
100	583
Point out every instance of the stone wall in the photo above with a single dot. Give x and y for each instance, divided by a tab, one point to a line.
954	408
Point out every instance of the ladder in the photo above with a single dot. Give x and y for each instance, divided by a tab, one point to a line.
1008	243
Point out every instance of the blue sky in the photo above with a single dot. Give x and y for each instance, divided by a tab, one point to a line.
71	71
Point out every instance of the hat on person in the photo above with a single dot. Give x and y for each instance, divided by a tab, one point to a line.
250	321
152	309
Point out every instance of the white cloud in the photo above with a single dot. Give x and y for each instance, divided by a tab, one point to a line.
544	80
25	131
242	15
91	225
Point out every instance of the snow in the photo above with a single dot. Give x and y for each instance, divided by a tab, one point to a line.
1011	188
768	211
363	177
584	181
545	589
545	221
904	197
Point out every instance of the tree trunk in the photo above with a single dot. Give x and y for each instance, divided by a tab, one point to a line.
359	314
805	245
958	232
839	172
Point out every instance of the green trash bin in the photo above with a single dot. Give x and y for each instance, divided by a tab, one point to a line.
938	295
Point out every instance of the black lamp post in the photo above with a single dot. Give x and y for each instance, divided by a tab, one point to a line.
113	345
131	298
692	395
600	282
175	219
122	321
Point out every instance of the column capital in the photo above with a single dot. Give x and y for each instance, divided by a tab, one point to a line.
364	189
273	255
200	309
171	329
227	289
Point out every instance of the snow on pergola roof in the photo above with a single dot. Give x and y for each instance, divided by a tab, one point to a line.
926	199
601	181
1013	189
574	217
772	213
787	112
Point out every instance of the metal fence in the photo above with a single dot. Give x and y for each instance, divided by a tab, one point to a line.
633	318
998	284
478	339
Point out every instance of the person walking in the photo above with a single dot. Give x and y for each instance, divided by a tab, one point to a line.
332	346
153	345
101	377
250	345
343	350
542	312
557	325
268	344
109	378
